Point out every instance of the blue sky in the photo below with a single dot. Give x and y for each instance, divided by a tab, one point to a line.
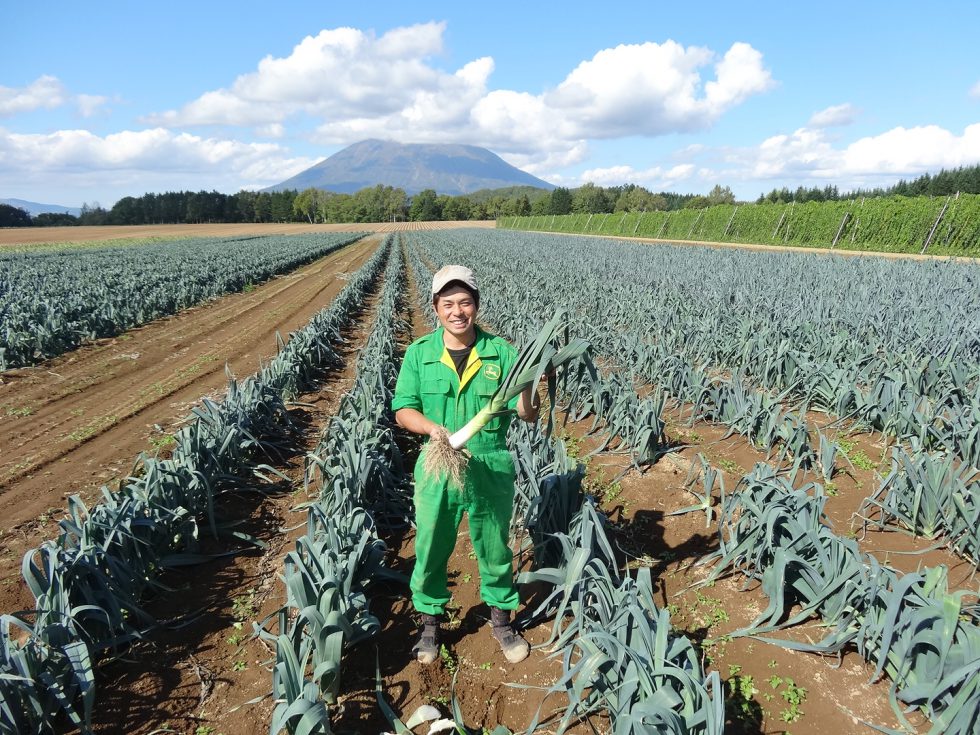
108	99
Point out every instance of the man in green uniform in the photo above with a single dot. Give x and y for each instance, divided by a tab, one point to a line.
445	379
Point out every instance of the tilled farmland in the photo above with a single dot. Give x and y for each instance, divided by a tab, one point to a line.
759	513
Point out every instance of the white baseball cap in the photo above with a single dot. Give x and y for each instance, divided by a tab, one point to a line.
449	273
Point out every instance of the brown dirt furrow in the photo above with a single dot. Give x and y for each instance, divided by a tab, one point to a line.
117	378
94	410
198	676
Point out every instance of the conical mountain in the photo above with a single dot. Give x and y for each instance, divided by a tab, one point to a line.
448	168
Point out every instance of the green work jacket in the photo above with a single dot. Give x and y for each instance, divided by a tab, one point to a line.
428	382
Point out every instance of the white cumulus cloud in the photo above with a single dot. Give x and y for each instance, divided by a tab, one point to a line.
656	178
45	92
834	116
89	104
133	162
337	74
810	154
808	157
359	85
913	150
644	89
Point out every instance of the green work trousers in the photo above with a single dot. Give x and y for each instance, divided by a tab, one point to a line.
488	498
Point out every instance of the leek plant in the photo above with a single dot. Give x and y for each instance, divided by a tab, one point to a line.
910	627
932	495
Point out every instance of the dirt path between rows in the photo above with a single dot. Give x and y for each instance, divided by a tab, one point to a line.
77	422
201	672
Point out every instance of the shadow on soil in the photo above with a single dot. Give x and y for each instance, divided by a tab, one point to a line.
159	680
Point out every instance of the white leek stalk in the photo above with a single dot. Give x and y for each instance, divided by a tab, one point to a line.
537	359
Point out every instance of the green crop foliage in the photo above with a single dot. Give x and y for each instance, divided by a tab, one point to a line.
888	224
88	584
53	300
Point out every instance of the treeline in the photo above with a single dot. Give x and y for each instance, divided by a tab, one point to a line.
965	180
592	199
387	204
372	204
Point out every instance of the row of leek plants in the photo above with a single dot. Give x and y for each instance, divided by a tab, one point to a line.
909	626
50	302
357	474
620	656
88	584
870	359
712	396
930	494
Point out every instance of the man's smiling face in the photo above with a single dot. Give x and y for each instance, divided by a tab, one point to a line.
456	309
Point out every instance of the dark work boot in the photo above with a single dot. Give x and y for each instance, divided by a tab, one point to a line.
514	647
426	650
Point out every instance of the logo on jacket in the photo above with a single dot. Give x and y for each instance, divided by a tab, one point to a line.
492	372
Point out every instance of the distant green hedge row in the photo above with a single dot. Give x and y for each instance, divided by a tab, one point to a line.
943	225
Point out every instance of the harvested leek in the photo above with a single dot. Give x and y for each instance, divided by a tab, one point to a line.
538	359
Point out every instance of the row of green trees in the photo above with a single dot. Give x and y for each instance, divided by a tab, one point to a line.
592	199
965	179
385	203
373	204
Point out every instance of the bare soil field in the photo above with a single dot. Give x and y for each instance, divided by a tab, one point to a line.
35	235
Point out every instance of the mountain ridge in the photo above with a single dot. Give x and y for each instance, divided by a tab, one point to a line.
448	168
36	208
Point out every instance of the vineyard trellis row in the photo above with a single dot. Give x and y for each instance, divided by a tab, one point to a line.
897	224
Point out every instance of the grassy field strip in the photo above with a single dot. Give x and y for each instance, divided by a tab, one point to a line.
88	583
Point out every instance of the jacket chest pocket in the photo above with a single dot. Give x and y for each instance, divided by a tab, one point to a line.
437	398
